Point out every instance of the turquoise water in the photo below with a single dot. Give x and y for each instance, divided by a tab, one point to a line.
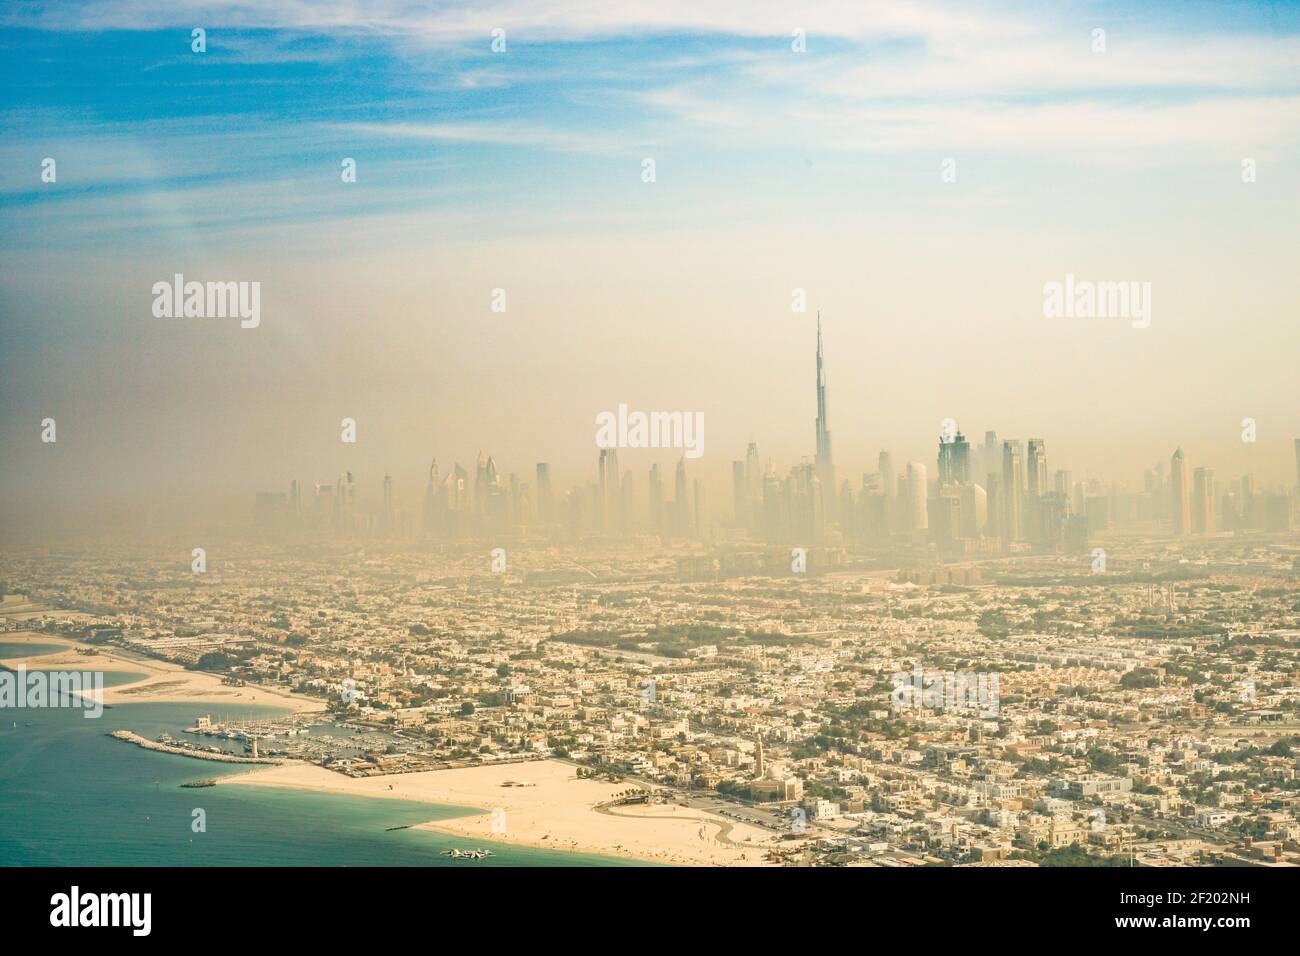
72	796
16	649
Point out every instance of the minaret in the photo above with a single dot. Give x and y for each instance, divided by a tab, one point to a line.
824	464
759	765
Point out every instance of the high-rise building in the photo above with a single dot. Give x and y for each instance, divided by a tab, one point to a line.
1297	462
1251	510
954	460
740	493
889	488
681	501
1013	482
657	501
1063	481
974	510
481	481
1181	498
992	456
433	508
1203	501
1036	468
824	462
917	513
545	503
1276	512
944	517
610	493
627	518
753	471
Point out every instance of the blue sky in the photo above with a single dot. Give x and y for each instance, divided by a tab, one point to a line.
434	118
775	170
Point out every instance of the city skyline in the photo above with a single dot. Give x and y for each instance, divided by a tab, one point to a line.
923	216
999	492
644	433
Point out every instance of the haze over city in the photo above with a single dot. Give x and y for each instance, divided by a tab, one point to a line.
522	171
643	435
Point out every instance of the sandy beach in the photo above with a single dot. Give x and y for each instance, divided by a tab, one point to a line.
557	810
163	681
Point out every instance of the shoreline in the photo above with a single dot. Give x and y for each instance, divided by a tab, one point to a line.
146	744
161	681
555	810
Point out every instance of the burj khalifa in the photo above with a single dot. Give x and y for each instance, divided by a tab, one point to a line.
824	464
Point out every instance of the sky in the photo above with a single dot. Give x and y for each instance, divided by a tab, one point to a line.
522	170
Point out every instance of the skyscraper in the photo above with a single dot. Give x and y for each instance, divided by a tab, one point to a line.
681	501
889	486
1180	488
545	504
992	455
917	515
657	501
1034	524
1036	468
753	487
610	494
1203	501
627	507
1013	483
954	460
824	463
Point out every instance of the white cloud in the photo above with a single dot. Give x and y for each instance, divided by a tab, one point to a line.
529	20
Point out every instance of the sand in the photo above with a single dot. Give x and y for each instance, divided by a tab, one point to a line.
558	811
163	681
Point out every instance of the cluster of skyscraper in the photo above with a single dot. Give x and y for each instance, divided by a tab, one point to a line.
493	506
1018	504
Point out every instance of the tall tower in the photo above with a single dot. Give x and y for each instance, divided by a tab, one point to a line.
609	489
760	765
545	512
824	463
1203	501
1036	468
657	501
917	516
954	460
681	501
1013	483
1180	481
739	493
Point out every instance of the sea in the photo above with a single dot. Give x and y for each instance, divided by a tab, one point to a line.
70	795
